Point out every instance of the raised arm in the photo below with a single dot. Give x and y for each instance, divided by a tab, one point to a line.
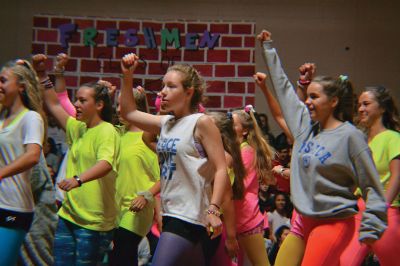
145	121
60	84
50	96
307	73
272	104
295	112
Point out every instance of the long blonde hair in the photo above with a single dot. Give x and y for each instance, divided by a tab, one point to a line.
31	96
264	152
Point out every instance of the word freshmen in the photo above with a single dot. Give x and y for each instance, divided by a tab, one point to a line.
131	37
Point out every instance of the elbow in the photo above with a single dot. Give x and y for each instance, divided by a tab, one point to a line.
124	111
124	114
107	167
33	160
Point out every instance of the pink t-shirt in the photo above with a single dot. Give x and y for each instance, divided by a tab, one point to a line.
247	212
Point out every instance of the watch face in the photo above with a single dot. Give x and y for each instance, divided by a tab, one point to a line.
78	180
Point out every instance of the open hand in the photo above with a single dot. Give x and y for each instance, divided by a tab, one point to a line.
138	204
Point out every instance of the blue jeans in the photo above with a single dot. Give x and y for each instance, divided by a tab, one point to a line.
74	245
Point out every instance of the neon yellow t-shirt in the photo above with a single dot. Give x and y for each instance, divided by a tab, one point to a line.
138	171
91	206
385	146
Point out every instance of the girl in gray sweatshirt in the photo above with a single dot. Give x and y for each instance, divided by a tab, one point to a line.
330	160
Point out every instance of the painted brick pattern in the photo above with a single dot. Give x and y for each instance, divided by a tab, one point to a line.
227	68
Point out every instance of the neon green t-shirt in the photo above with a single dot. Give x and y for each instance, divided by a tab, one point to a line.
138	171
91	206
385	146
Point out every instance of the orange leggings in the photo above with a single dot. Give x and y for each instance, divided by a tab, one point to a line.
387	248
326	239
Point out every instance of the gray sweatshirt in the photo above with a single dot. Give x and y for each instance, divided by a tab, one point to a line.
327	165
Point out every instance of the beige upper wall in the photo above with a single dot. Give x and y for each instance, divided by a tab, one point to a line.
317	31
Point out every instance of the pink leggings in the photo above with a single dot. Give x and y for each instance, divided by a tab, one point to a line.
325	239
387	248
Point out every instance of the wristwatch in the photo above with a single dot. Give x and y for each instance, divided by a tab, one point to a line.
78	180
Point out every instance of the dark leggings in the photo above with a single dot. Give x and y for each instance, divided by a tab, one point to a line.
210	247
125	251
180	244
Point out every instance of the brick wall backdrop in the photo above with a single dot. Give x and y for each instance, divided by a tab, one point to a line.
228	67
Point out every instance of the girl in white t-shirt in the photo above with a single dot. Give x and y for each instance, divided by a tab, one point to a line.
21	139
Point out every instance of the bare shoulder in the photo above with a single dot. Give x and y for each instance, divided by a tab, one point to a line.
204	120
204	127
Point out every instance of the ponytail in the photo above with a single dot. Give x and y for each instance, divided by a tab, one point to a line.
264	152
224	122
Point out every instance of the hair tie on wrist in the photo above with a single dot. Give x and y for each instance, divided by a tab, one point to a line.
47	84
304	82
147	195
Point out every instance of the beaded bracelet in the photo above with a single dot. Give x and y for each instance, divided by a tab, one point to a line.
216	213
